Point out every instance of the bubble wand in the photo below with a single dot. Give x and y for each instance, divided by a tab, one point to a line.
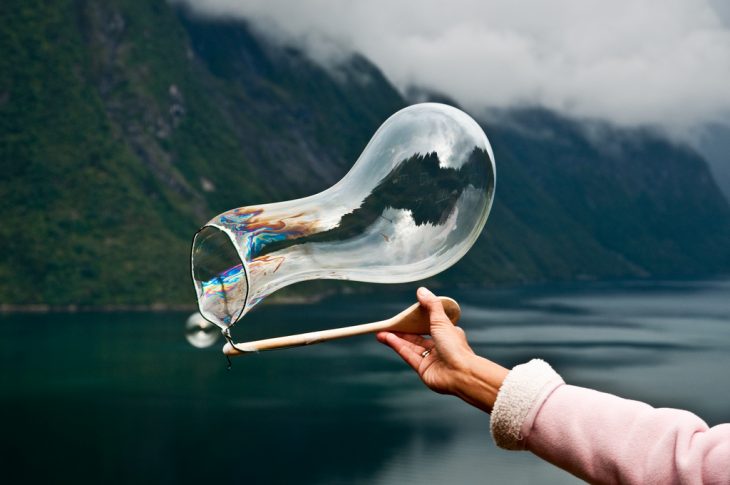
411	320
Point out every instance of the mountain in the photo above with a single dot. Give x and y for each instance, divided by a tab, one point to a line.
125	125
589	201
713	143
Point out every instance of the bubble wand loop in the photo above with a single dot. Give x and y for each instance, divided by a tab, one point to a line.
413	319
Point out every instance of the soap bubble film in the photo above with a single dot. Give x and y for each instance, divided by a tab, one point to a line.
412	205
199	332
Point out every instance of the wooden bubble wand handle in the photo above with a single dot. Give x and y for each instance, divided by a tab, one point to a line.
413	319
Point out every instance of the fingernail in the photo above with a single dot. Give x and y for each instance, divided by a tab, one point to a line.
423	291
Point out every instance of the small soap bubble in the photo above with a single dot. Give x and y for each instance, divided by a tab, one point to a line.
199	332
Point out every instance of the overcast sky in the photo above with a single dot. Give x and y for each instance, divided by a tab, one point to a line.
632	62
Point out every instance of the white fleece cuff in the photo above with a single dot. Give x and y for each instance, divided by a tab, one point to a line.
522	393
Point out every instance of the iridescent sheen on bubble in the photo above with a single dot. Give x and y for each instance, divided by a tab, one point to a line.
412	205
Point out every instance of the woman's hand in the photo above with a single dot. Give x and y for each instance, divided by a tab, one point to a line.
445	362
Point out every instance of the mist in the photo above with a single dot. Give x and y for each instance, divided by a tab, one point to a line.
662	63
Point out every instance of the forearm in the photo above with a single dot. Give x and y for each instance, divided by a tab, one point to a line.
480	385
603	438
606	439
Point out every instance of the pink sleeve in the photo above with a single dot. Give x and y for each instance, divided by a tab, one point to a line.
603	438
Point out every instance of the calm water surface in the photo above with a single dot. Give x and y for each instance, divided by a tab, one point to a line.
123	398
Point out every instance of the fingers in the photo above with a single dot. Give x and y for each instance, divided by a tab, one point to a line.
420	342
414	342
403	348
433	306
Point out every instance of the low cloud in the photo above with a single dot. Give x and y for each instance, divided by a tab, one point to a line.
658	62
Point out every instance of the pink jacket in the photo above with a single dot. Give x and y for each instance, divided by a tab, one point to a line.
603	438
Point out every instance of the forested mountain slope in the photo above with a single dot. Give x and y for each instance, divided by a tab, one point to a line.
125	125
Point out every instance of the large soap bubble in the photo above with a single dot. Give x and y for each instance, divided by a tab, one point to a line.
412	205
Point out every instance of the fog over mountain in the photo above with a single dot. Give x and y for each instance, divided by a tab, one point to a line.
629	62
712	141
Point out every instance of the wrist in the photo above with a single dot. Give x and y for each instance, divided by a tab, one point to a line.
480	383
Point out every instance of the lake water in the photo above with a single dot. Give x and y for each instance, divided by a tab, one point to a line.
123	398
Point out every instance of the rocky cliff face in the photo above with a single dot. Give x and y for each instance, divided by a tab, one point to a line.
125	125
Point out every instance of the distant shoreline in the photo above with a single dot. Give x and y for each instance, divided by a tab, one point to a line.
9	308
43	308
308	299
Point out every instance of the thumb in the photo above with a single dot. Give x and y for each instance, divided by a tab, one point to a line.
433	306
